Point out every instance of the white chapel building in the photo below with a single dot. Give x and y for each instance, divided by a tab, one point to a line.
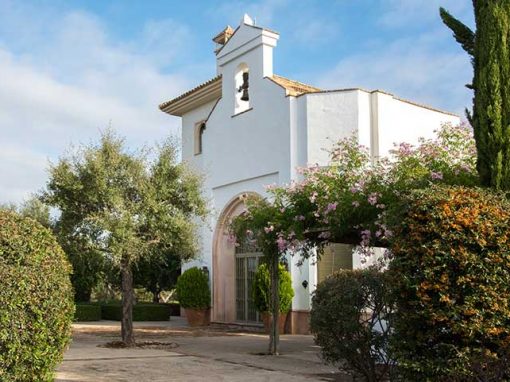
248	127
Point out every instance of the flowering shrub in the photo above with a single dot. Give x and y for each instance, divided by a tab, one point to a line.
355	199
352	200
450	266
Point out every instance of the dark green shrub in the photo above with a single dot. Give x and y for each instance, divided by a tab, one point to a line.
36	300
193	289
175	309
451	271
351	321
113	311
262	293
87	312
152	312
141	312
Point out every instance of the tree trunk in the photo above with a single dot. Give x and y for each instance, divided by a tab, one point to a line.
155	296
128	336
274	336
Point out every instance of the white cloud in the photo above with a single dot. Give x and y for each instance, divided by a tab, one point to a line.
20	170
64	81
426	66
409	68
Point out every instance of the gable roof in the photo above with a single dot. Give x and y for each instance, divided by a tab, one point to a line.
234	31
210	90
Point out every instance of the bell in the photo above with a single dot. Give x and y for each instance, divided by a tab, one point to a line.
245	96
244	87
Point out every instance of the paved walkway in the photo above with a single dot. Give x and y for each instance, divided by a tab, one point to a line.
205	354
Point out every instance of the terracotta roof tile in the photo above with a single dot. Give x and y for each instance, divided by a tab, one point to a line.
294	88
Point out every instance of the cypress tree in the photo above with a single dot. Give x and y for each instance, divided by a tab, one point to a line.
489	49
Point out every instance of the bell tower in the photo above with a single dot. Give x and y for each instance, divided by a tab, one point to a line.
244	56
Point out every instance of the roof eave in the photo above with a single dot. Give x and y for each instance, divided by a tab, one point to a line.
181	106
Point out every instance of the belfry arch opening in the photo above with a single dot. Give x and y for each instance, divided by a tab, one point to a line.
242	88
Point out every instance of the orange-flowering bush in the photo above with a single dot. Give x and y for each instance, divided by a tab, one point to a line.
451	272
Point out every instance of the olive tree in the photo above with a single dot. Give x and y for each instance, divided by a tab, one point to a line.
123	204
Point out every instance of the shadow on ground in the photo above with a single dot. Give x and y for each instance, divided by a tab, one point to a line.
196	354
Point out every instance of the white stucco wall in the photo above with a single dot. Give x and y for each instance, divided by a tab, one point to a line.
189	120
397	121
330	117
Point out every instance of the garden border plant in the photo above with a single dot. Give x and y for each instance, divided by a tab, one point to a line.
87	312
194	295
351	319
261	294
36	300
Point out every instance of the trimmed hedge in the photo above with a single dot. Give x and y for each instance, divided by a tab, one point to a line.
451	273
87	312
193	289
141	312
36	300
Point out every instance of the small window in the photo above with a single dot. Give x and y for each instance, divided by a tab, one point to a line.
242	88
199	132
335	257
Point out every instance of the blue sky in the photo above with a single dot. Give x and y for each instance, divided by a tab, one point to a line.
70	68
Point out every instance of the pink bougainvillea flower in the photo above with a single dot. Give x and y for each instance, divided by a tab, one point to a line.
330	207
355	189
231	239
436	175
372	198
282	244
325	235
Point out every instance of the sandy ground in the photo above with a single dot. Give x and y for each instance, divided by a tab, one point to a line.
211	354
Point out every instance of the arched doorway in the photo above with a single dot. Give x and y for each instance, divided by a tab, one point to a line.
233	269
